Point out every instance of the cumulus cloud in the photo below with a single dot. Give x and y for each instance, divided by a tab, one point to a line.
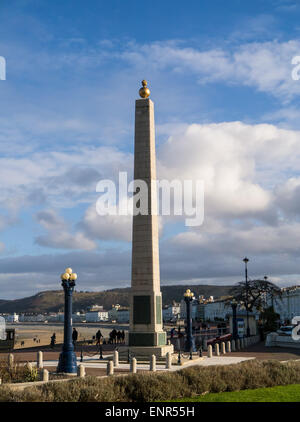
58	178
107	227
240	165
57	233
265	66
251	202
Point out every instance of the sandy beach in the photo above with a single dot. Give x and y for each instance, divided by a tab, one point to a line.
33	334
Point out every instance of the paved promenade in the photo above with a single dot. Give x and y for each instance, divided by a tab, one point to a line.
95	366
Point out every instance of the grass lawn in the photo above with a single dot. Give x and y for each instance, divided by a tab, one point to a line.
287	393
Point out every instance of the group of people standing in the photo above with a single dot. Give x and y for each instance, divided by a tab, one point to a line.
114	337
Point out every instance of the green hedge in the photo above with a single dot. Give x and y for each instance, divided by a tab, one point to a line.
148	387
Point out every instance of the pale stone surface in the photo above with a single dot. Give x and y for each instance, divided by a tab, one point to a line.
209	351
116	358
214	360
223	348
45	375
217	349
145	329
158	351
168	360
228	347
81	371
133	365
153	363
40	364
110	368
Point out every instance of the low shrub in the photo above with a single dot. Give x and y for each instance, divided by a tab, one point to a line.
17	373
149	387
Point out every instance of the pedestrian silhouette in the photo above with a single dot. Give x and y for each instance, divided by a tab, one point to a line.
53	340
74	336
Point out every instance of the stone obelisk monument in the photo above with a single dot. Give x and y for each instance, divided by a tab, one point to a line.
146	335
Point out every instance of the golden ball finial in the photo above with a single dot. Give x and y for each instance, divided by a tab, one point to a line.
144	91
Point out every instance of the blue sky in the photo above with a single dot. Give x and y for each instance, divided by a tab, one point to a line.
227	111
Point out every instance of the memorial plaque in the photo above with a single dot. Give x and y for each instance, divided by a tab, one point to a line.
141	310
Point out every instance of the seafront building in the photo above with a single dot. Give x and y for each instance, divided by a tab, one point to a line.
289	305
203	309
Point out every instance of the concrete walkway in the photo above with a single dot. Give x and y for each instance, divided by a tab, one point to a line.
216	360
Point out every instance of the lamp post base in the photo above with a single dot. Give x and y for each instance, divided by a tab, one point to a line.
189	345
67	362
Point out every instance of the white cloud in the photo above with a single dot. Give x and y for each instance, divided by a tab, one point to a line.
58	235
265	66
240	164
108	227
62	179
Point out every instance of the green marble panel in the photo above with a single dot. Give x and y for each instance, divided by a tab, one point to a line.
162	339
158	310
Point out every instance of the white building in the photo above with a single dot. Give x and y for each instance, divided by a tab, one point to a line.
172	311
289	305
216	310
119	314
96	316
94	308
12	318
123	316
78	317
59	317
183	309
32	318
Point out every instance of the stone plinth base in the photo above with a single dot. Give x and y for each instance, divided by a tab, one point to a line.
147	351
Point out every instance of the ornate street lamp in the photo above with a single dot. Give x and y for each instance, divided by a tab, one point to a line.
266	299
272	294
234	320
246	260
189	345
67	359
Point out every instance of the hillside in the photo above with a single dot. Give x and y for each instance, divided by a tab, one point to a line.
53	300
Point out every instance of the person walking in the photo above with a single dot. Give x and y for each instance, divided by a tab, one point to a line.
98	337
53	340
74	336
119	336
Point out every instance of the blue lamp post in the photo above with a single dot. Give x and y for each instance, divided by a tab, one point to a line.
189	345
246	260
67	359
234	320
